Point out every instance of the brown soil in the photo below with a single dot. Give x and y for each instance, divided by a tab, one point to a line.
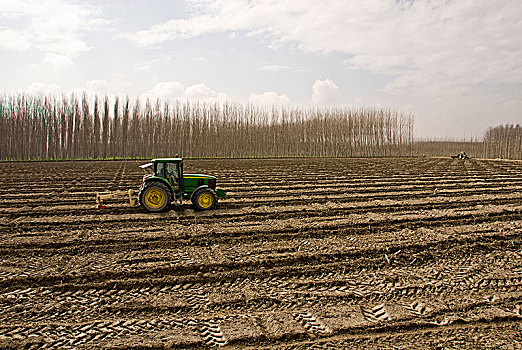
303	254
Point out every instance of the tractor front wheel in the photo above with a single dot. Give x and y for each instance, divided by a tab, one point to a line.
204	199
154	197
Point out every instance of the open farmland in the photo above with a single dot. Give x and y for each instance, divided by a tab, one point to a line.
304	253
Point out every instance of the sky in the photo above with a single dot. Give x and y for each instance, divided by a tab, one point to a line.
455	65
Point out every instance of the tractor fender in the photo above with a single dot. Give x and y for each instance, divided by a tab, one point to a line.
220	193
159	179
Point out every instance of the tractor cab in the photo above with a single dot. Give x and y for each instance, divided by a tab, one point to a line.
169	169
172	172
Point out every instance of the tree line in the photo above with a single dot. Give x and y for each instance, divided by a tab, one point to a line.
72	127
503	141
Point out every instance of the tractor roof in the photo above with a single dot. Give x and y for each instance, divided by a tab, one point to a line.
166	160
161	160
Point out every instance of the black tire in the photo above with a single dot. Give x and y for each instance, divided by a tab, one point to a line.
154	197
204	199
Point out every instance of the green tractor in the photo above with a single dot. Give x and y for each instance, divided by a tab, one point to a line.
461	155
166	185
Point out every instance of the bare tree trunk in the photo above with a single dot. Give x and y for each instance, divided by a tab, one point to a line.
105	128
124	129
96	129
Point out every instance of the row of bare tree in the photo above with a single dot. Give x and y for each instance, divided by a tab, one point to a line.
47	127
504	142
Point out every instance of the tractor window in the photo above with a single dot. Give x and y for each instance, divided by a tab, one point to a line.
172	172
160	169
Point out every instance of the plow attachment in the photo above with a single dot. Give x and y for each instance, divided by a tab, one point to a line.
129	195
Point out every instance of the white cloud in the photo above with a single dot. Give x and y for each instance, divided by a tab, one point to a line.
169	91
426	46
39	88
149	64
12	40
53	27
99	87
325	92
165	91
273	68
270	98
199	92
174	91
145	66
57	61
91	88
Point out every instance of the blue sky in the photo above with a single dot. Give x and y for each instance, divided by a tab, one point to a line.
456	65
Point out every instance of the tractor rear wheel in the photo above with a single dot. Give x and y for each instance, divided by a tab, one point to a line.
204	199
154	197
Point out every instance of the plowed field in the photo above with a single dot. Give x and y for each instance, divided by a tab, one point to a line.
303	254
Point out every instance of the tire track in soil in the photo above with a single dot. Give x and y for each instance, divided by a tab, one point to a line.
308	228
452	336
286	262
146	291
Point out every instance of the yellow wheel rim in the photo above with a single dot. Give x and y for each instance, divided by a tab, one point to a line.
205	200
155	198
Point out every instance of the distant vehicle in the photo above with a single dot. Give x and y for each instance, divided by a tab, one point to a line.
461	155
